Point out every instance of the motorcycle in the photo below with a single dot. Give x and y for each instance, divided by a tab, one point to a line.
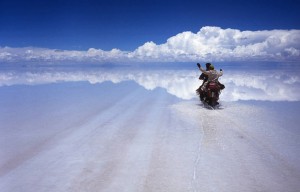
210	93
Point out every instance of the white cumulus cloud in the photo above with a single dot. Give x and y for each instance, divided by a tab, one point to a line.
214	43
208	44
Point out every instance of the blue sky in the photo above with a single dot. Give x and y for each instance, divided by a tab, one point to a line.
115	31
127	24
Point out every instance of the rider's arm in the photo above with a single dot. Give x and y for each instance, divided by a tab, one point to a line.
220	73
204	71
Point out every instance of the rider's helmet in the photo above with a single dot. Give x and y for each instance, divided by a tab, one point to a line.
211	67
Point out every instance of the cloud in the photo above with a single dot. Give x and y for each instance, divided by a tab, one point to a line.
208	44
277	85
214	43
43	55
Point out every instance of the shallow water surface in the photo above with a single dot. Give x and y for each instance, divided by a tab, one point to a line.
107	130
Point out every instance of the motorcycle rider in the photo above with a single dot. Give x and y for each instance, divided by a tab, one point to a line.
213	76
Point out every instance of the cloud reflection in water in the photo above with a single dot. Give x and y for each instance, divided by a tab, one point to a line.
240	85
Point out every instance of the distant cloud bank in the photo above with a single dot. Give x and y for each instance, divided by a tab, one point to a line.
209	44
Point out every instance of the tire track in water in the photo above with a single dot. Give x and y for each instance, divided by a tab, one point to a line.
209	139
128	128
105	162
84	126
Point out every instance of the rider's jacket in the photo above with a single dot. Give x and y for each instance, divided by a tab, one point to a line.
213	75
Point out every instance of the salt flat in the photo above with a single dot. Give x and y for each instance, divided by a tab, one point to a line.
122	137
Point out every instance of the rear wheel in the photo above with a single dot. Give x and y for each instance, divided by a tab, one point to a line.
214	99
212	103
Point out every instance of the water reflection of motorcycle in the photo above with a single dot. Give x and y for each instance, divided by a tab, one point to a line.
211	88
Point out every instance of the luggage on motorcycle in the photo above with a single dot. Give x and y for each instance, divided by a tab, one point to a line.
221	86
213	86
